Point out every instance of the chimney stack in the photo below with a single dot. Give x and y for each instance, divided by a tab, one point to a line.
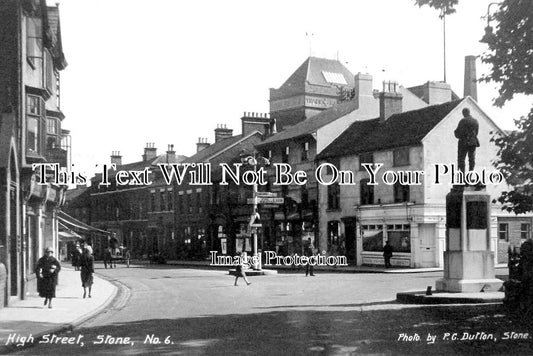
116	158
222	132
252	121
150	152
390	100
171	154
470	84
202	144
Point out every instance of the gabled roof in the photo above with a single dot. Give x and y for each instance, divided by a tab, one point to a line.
311	72
399	130
309	126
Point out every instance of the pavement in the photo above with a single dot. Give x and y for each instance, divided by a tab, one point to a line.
70	309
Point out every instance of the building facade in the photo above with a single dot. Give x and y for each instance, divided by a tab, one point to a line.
31	58
357	217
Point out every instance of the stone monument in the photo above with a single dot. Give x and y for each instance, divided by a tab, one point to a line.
468	259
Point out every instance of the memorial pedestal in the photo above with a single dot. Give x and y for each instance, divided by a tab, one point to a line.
468	260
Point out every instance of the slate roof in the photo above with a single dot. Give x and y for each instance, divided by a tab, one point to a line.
399	130
307	127
206	153
311	72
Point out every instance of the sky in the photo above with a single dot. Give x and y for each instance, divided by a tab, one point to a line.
169	71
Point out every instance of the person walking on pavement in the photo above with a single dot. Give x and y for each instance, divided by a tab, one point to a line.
87	270
309	251
240	269
387	254
47	271
76	254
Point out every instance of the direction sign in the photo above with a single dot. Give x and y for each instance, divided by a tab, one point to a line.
265	194
266	200
256	225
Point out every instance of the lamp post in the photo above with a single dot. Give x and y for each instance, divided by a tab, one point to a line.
489	35
252	160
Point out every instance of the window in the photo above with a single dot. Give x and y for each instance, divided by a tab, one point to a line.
305	151
372	237
49	75
34	40
285	155
199	202
365	158
400	157
188	202
401	192
399	237
333	196
304	195
152	201
333	234
162	201
366	192
35	108
51	126
525	231
170	200
503	232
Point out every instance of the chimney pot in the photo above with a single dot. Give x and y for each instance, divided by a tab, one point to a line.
470	79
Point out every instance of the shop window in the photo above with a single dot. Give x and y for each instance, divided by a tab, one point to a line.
525	231
400	238
400	157
285	155
372	238
401	192
366	192
503	232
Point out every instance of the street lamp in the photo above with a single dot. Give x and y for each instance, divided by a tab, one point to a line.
489	36
252	160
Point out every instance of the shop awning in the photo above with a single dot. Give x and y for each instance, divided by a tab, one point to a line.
76	225
65	234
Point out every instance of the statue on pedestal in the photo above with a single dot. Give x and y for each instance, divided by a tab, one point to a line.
466	132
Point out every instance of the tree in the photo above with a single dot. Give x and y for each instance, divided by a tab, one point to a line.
510	49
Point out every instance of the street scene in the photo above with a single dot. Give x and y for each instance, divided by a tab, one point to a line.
270	177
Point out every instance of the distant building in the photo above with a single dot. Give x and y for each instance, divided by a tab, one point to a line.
31	57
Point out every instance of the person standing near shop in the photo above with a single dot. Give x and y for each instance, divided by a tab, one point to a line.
387	254
309	251
47	271
87	270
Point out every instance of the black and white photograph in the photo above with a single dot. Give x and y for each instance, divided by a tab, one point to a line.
297	177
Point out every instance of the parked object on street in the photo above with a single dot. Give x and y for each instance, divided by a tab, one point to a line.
47	271
309	251
87	270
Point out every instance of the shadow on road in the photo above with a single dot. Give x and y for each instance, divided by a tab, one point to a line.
478	329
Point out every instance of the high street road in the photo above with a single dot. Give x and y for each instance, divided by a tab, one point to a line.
192	311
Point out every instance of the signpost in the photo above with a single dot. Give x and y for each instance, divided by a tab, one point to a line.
265	200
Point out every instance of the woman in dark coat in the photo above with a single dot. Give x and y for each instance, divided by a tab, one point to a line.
87	270
47	270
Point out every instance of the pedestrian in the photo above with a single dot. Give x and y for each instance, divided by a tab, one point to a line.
87	270
466	132
309	250
76	254
387	254
240	269
47	271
